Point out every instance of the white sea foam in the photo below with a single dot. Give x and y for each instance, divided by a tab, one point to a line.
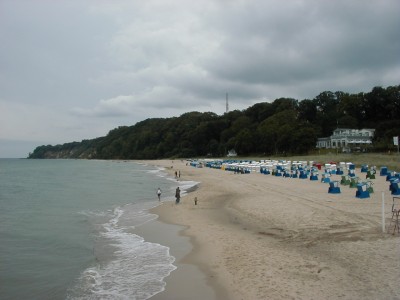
135	271
127	267
89	213
185	186
159	172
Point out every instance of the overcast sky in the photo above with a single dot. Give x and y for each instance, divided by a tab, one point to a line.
73	70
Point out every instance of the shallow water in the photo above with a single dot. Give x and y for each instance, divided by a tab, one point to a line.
66	229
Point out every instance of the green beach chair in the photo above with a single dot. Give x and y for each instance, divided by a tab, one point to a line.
353	182
370	189
345	180
370	174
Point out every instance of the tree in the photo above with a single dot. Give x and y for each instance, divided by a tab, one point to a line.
307	111
244	142
282	126
327	113
275	132
259	112
351	110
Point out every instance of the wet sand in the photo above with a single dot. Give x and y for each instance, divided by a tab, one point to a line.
257	236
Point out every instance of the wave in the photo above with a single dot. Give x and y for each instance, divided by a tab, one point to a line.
127	267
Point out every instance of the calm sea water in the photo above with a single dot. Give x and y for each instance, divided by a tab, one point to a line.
66	229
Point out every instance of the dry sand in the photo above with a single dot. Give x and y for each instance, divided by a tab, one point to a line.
258	236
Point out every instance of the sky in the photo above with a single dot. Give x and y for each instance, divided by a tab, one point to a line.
74	70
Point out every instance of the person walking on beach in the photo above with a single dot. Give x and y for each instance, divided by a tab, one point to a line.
178	195
159	194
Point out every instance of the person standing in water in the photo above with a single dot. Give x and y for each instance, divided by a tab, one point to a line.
159	194
178	195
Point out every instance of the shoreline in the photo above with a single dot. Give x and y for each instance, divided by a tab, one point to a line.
265	237
167	234
182	246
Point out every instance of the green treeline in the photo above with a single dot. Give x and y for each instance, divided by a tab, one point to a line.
285	126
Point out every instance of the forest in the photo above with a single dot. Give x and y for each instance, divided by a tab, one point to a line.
284	126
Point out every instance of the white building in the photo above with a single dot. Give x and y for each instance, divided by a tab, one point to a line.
346	139
232	153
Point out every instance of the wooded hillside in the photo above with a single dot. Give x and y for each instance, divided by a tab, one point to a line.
285	126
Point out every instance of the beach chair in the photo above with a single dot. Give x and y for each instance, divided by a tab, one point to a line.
390	175
394	187
303	174
266	171
325	178
370	174
369	184
395	215
345	180
334	187
353	182
352	173
362	191
339	171
364	168
383	171
314	175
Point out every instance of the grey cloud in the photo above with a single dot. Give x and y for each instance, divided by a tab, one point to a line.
297	44
102	64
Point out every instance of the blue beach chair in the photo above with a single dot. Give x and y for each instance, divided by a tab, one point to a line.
383	171
334	187
314	175
339	171
394	187
325	178
362	191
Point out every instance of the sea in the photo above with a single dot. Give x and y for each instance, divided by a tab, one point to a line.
67	229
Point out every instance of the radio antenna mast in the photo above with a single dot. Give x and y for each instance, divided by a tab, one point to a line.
227	104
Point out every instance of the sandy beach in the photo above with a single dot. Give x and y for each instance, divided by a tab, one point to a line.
256	236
